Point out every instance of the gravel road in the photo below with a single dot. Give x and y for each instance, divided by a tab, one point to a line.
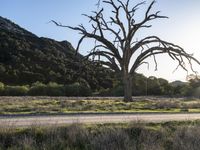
25	121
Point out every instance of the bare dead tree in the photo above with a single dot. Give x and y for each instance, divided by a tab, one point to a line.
119	52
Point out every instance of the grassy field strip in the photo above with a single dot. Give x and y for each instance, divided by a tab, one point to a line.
114	118
65	105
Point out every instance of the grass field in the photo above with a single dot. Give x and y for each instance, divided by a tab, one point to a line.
134	136
55	105
123	136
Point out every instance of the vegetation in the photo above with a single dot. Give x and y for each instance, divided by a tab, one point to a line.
57	105
50	89
38	66
26	59
117	46
134	136
141	86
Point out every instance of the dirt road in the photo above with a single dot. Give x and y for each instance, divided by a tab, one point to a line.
24	121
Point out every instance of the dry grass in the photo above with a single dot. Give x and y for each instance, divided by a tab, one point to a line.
53	105
139	136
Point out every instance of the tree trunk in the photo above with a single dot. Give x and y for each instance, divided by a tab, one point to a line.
127	80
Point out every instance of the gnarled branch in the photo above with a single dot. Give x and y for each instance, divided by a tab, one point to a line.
123	45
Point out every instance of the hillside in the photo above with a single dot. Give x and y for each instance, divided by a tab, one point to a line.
26	58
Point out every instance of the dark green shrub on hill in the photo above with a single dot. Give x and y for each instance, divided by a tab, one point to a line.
15	90
85	91
118	91
77	89
51	89
104	92
38	89
54	89
26	59
1	88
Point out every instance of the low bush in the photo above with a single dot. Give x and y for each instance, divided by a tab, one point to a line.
51	89
77	89
72	137
54	89
37	89
15	90
1	88
167	105
111	139
116	91
139	136
186	138
104	92
72	89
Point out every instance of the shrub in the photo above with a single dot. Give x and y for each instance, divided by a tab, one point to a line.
16	90
72	89
85	90
54	89
37	89
1	88
77	137
167	105
186	138
118	91
111	139
51	89
77	89
104	92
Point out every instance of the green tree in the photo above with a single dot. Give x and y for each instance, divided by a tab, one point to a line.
193	89
153	86
166	89
140	85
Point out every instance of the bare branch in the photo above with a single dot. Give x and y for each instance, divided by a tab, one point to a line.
117	20
178	54
98	4
119	49
79	43
147	63
149	8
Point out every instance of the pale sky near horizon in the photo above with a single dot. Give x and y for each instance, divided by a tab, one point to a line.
182	27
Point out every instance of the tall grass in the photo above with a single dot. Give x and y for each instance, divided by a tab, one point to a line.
169	136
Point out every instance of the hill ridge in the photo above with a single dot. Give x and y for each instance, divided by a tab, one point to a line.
26	58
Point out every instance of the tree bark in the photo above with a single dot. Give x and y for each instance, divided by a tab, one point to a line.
127	80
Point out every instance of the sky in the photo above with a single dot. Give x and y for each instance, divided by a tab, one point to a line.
182	27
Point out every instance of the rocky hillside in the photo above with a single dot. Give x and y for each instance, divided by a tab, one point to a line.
8	25
26	58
